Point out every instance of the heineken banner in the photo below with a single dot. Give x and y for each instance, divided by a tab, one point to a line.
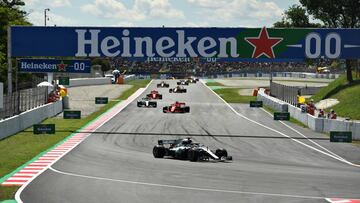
53	65
254	44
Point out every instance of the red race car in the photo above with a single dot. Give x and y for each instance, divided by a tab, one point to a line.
154	95
177	107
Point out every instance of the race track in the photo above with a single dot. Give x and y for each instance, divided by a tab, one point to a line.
121	168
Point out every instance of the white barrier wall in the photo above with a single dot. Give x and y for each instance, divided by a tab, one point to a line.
1	95
89	81
27	119
317	124
128	78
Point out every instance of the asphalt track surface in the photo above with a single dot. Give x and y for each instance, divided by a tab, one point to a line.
121	168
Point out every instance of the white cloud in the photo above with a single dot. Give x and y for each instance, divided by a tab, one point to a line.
157	9
210	3
123	24
193	24
239	11
47	3
60	3
139	11
37	18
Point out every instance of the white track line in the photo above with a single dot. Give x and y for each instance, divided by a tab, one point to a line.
184	187
18	193
276	131
293	129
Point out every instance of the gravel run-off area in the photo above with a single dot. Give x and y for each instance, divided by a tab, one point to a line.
83	98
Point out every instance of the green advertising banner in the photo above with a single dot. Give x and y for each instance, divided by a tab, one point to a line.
282	116
256	104
44	129
72	114
338	136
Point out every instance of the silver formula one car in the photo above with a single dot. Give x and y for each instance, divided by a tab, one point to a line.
146	102
185	149
178	89
183	82
192	80
163	85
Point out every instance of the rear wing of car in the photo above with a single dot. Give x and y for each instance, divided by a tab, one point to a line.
162	142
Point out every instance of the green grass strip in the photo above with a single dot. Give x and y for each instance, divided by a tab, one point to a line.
6	193
231	95
17	150
214	84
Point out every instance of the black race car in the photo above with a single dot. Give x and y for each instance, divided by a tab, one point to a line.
183	82
186	149
146	102
192	80
163	84
177	107
178	89
154	95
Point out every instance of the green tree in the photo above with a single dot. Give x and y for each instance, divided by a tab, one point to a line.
12	3
336	14
10	14
103	62
295	16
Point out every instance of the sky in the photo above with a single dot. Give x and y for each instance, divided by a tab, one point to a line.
157	13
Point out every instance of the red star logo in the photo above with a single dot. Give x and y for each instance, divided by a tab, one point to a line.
62	66
263	44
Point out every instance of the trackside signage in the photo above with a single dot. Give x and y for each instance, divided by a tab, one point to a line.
101	100
72	114
227	43
340	136
44	129
53	65
64	80
281	116
256	103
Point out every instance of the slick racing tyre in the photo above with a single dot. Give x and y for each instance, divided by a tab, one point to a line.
187	109
165	109
221	153
159	151
154	104
139	104
193	155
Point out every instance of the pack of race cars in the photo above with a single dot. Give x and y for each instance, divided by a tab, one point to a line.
184	149
177	107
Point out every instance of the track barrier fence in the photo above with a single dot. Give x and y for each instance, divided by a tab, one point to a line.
23	100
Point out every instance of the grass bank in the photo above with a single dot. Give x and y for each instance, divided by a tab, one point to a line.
22	147
347	94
